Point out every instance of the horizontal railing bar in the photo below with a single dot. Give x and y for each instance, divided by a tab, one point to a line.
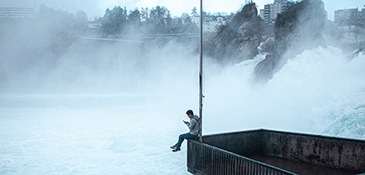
291	133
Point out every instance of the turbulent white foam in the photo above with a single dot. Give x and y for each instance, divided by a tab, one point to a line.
37	140
319	91
128	129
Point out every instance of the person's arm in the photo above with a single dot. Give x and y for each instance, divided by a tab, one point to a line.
192	124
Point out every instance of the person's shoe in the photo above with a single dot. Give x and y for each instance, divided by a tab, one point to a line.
176	150
173	147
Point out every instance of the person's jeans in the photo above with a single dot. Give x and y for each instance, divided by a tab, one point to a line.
185	136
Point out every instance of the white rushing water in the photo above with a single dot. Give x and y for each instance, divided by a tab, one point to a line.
319	91
106	122
38	137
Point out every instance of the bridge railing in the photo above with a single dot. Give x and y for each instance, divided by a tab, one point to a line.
207	159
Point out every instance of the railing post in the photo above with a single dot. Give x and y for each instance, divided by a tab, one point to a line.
201	74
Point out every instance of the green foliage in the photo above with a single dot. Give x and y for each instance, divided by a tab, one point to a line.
156	20
114	21
134	19
194	12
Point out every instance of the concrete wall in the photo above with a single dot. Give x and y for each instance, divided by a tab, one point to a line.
242	143
323	151
346	154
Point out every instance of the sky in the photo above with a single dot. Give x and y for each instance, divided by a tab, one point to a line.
177	7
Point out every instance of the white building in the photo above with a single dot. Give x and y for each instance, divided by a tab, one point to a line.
349	23
351	34
271	11
345	14
353	15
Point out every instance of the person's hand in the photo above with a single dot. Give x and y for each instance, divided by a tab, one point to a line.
186	122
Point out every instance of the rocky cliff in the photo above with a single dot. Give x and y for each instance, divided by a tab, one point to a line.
297	29
238	40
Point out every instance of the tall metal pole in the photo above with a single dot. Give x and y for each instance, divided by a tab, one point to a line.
201	73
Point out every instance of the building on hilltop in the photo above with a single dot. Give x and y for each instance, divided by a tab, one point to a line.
351	34
361	16
345	15
271	11
350	16
16	12
351	25
93	27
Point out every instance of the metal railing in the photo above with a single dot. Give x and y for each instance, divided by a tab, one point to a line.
210	160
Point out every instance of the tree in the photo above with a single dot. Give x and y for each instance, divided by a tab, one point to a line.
134	18
168	22
194	12
114	20
186	18
157	19
185	25
158	13
144	13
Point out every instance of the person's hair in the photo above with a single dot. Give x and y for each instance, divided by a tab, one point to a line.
190	112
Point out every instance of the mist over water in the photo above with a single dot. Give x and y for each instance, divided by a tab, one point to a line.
319	91
109	108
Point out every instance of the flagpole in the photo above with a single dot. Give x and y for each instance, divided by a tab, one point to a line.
201	73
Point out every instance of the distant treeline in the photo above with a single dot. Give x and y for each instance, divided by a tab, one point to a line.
156	20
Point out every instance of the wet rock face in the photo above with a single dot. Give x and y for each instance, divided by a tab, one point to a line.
267	46
239	39
297	29
249	31
249	38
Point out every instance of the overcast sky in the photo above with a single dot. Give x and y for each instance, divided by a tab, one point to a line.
177	7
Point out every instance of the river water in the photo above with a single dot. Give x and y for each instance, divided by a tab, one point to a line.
122	118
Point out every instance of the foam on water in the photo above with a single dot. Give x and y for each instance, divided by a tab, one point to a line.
319	91
129	131
62	140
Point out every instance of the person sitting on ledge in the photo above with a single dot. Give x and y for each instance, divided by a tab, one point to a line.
194	127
